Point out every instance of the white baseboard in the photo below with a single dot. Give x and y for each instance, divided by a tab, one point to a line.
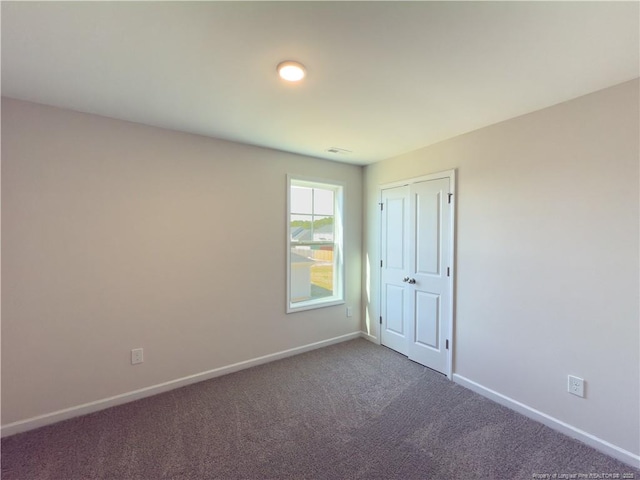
371	338
67	413
602	445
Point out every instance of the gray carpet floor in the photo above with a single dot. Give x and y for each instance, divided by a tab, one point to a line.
349	411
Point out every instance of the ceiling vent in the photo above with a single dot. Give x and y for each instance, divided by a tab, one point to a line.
340	151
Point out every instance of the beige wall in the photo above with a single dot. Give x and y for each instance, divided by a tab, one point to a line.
118	235
547	257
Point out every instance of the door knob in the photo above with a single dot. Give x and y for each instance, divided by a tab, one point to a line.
405	279
412	281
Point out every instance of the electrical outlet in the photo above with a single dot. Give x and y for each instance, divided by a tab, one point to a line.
576	386
349	311
136	356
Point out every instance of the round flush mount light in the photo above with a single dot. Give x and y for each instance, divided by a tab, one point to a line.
291	71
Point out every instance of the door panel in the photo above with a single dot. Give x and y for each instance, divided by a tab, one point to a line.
427	217
427	320
395	310
395	233
394	242
431	249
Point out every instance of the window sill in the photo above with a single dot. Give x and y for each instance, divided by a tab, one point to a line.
313	304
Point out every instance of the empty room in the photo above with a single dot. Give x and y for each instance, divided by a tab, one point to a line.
320	240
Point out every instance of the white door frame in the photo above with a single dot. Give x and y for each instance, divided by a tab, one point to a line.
451	175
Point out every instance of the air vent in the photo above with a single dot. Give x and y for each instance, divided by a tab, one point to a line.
337	150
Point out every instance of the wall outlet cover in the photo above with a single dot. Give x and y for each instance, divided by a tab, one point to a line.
576	386
137	356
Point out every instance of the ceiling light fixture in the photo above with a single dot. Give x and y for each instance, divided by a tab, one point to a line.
291	71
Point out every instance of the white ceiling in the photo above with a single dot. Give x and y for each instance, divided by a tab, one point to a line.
384	78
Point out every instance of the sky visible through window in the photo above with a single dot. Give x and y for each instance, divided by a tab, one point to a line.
309	201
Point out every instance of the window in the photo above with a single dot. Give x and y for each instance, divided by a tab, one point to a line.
315	262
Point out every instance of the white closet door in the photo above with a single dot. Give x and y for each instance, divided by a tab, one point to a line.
416	289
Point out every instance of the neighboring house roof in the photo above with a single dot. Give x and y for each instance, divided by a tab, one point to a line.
299	259
325	232
324	229
302	234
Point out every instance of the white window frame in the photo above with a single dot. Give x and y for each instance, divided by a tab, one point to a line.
338	251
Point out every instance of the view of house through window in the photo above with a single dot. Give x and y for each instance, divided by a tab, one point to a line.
315	243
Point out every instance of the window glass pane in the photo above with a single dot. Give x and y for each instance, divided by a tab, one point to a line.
311	272
301	200
322	271
301	228
322	201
